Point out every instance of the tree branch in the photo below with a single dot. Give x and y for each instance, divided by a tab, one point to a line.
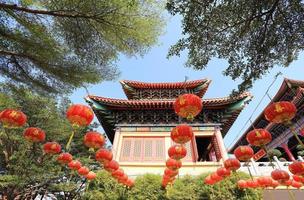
58	13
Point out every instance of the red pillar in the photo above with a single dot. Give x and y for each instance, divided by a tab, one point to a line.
220	142
288	152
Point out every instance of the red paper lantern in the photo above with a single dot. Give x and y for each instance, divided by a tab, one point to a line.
12	118
243	153
274	184
296	184
34	134
216	177
287	183
177	152
90	176
296	168
297	178
280	112
181	134
94	140
280	175
173	164
265	181
51	148
83	171
118	173
130	182
123	178
188	106
252	183
232	164
223	172
209	181
169	179
74	165
258	137
103	155
111	166
242	184
80	115
169	172
65	158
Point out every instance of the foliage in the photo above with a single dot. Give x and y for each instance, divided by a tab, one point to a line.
274	152
26	171
251	35
58	45
148	186
104	187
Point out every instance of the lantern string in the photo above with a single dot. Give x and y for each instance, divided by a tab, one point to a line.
255	109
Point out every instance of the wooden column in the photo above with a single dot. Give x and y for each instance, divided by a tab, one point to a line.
220	142
288	152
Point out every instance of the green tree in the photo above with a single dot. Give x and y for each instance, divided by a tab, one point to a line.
58	45
253	36
26	172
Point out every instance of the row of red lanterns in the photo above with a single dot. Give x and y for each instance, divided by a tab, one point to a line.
105	157
186	106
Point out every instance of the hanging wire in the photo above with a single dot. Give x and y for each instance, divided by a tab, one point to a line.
250	117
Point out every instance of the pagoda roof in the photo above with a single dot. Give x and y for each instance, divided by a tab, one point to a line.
103	107
290	90
199	87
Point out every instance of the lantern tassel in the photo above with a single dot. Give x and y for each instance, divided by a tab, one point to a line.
68	145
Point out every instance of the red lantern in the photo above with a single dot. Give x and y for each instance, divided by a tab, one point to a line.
12	118
216	177
280	175
274	184
74	165
51	148
34	134
297	178
287	183
94	140
181	134
169	172
188	106
103	155
177	152
232	164
209	181
90	176
280	112
118	173
265	181
223	172
80	115
243	153
296	168
296	184
252	183
123	178
111	166
242	184
65	158
258	137
130	182
173	164
169	179
83	171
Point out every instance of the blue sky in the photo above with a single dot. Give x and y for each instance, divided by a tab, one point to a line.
155	67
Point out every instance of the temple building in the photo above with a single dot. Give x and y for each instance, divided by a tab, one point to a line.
139	127
282	137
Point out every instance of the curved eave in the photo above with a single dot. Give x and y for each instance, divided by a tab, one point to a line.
199	86
117	104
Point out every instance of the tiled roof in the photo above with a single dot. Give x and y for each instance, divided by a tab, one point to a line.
162	104
199	87
174	85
